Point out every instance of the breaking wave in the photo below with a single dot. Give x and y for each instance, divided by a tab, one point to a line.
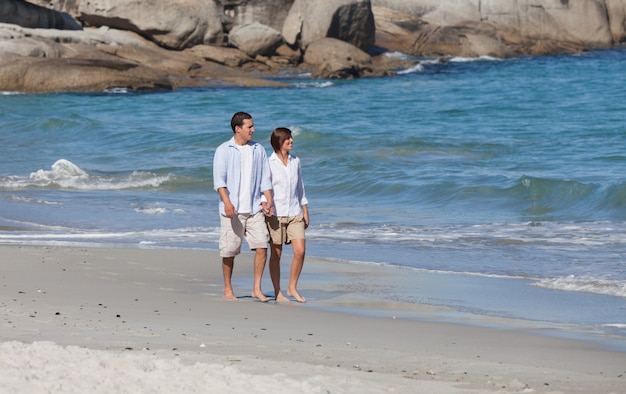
66	175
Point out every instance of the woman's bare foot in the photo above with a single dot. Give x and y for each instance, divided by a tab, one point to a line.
281	298
294	293
229	296
259	296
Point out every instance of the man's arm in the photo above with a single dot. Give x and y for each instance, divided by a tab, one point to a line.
268	203
229	208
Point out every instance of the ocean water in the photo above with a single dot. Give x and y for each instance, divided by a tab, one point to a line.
512	170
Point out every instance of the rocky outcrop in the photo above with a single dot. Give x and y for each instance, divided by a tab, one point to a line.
143	45
154	44
255	39
180	24
28	15
49	60
173	24
271	13
498	27
334	58
346	20
78	75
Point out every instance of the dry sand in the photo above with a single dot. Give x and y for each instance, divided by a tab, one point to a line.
77	320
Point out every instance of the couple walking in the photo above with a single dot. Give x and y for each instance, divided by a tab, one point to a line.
262	200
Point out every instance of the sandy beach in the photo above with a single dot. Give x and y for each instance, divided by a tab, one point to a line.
78	320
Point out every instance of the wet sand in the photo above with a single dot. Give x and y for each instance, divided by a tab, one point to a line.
144	320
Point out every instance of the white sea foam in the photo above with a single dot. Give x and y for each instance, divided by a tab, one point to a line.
33	200
117	90
397	55
584	284
187	237
571	235
460	59
152	210
416	68
324	84
296	130
66	175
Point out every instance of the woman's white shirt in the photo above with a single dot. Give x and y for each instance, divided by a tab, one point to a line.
289	195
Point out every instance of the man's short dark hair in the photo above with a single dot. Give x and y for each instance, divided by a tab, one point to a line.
238	118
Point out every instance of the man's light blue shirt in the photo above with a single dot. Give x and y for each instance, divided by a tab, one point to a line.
227	173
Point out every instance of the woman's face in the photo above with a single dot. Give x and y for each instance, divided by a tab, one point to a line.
287	144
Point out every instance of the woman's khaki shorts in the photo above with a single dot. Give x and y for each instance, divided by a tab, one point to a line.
283	229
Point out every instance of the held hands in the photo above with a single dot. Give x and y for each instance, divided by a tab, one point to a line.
268	208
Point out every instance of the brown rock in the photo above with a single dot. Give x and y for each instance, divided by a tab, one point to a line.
325	49
255	39
498	28
351	21
40	75
28	46
337	59
174	24
227	56
30	15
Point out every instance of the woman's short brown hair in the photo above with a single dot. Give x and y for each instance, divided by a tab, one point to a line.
278	137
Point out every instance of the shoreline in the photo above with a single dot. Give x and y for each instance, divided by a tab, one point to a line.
166	305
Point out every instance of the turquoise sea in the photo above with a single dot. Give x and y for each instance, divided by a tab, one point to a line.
511	171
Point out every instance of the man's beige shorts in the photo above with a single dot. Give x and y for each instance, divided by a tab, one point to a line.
283	229
232	232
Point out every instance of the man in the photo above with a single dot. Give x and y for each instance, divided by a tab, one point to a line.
241	175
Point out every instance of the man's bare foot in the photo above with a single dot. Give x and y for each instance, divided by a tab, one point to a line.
296	295
281	298
229	296
259	296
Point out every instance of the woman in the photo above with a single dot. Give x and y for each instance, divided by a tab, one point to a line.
291	214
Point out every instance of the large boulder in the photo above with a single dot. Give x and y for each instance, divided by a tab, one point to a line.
47	38
30	47
41	75
29	15
581	22
616	10
223	55
173	24
176	24
336	59
351	21
255	39
94	60
50	60
270	13
153	44
497	27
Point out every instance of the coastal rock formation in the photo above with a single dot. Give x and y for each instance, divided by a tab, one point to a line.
255	39
181	24
173	24
155	44
28	15
337	59
498	28
191	42
76	75
346	20
49	60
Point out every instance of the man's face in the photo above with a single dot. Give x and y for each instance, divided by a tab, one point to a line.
246	130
